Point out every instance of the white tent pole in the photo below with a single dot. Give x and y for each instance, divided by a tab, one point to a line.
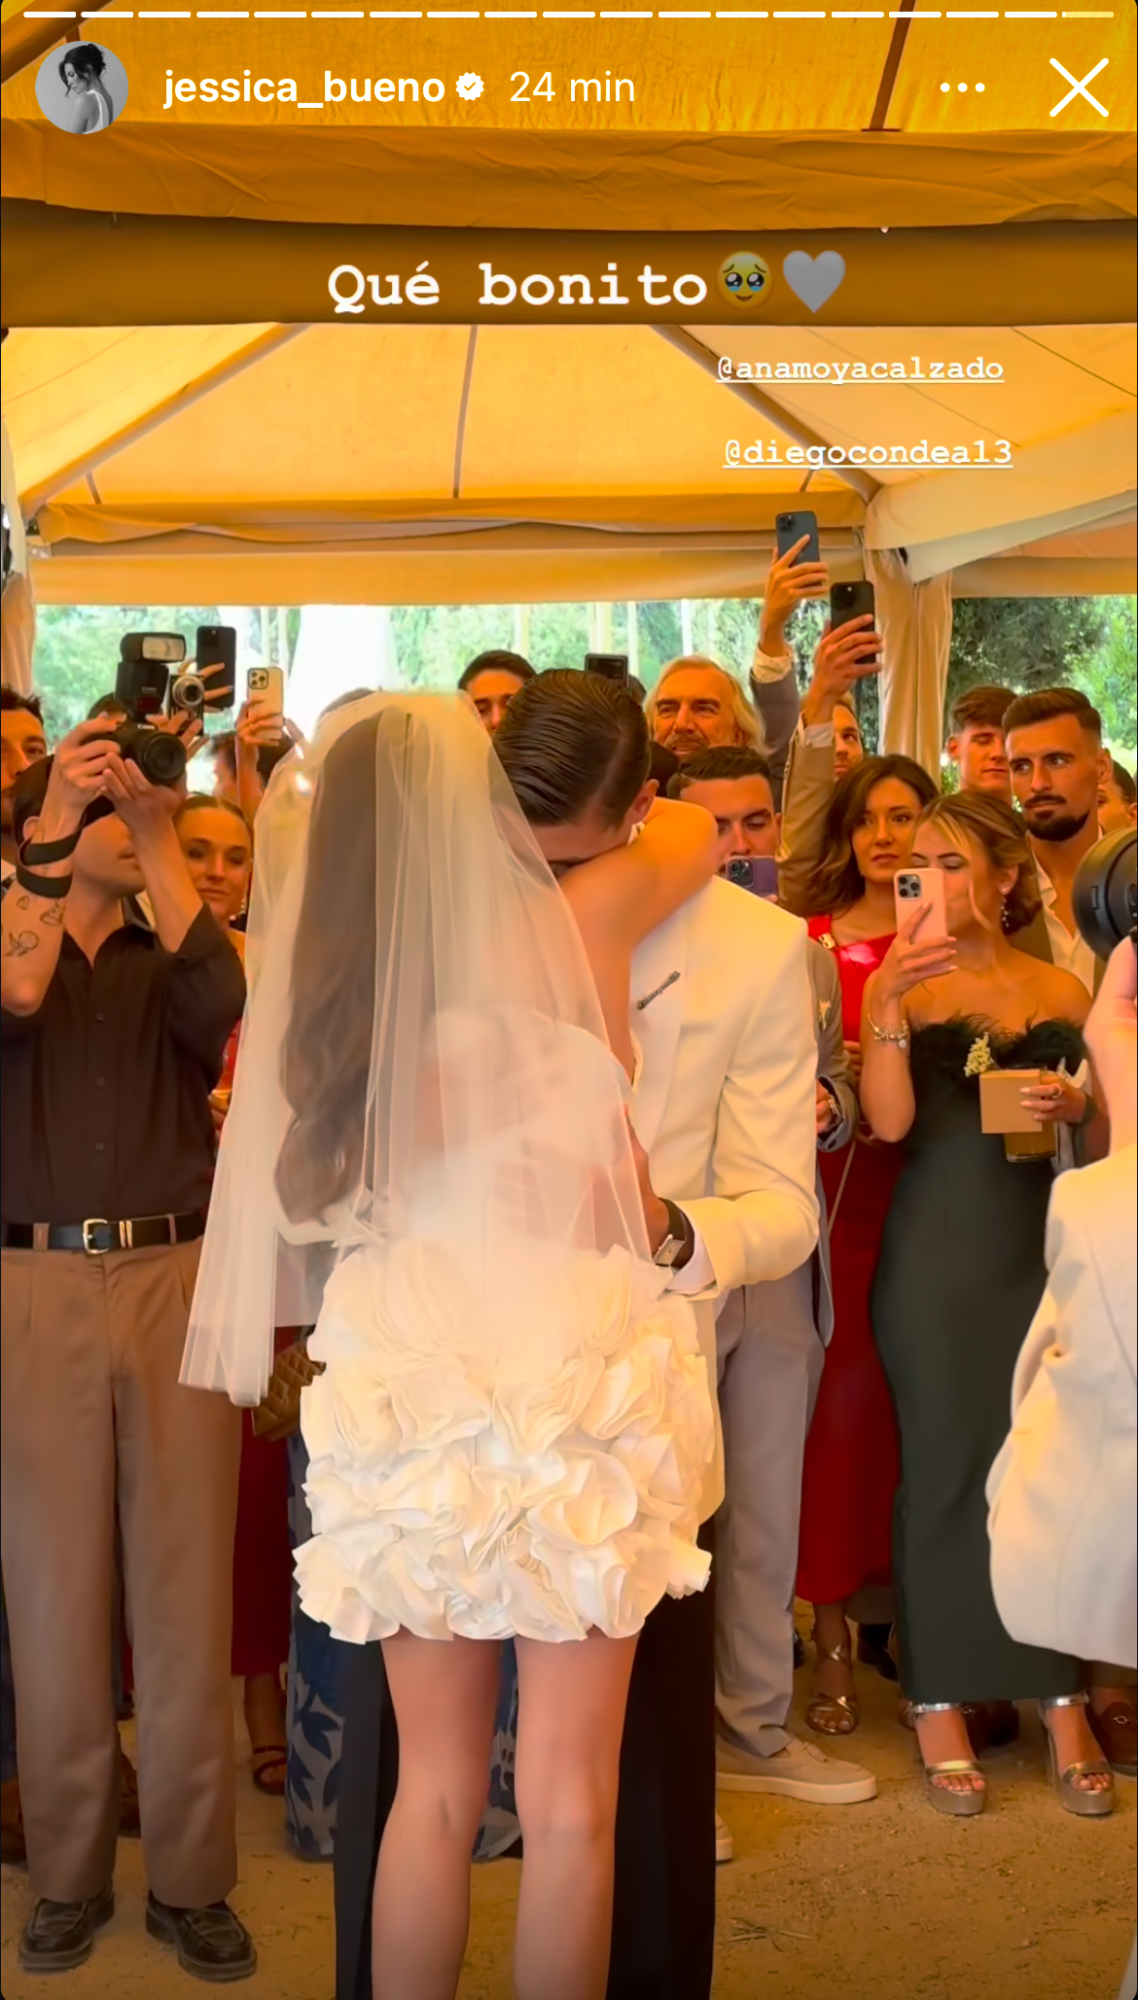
915	620
687	641
202	385
633	642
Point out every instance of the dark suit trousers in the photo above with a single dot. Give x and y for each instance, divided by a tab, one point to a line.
664	1916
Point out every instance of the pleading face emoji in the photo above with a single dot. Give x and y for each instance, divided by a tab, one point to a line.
744	280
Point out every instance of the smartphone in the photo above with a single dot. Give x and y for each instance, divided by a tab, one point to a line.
611	666
851	600
267	688
913	886
757	873
216	646
790	528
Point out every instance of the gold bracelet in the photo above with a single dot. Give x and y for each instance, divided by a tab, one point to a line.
898	1038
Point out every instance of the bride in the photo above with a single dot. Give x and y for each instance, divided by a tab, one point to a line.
428	1154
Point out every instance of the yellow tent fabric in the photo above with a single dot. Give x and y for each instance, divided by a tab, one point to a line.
393	464
264	462
720	132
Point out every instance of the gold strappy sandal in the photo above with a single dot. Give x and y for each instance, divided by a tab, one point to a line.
1073	1797
943	1798
834	1714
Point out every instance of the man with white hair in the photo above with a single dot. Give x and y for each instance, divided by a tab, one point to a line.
697	705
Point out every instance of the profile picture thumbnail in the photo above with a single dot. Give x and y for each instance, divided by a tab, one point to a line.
82	88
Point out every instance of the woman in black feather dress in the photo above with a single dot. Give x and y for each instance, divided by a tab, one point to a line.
961	1274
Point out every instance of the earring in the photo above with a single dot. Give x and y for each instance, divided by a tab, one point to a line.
1003	913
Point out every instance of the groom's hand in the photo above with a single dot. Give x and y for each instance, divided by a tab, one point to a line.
655	1211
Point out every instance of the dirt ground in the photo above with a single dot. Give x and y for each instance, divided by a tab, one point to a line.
883	1901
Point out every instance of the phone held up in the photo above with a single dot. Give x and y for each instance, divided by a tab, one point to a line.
610	666
790	528
851	600
911	888
757	873
208	683
267	689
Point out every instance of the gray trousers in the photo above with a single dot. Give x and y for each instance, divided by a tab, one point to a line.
770	1364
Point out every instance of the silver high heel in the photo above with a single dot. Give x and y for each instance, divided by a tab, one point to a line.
954	1805
1073	1797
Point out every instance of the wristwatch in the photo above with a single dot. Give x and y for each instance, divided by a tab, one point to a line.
678	1246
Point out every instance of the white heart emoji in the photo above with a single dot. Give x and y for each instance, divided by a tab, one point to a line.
814	279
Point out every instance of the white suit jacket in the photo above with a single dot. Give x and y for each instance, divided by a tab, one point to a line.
723	1012
1063	1491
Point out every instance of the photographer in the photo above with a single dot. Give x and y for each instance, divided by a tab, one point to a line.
113	1035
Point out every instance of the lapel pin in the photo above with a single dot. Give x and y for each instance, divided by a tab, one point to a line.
655	994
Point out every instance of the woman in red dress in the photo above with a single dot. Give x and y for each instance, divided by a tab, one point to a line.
851	1466
218	846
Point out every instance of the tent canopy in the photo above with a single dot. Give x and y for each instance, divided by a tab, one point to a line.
391	464
284	461
719	132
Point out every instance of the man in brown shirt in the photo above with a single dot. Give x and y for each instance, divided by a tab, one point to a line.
113	1036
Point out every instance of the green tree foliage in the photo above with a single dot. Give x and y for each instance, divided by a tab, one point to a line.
1035	642
1023	643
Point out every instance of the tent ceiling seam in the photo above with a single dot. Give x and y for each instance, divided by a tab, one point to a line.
1080	367
191	392
766	406
463	406
889	73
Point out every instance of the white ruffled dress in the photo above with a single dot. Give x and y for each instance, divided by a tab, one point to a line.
538	1476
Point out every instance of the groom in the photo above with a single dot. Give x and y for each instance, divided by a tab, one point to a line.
724	1106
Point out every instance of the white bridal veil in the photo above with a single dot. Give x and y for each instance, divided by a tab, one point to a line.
423	1038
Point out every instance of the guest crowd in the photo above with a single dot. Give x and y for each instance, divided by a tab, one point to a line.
864	1395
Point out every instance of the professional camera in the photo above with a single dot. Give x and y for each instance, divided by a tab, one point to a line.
145	659
1104	893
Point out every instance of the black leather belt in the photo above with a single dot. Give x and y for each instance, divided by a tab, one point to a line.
97	1236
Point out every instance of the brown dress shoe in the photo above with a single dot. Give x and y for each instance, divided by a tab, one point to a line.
1117	1732
12	1849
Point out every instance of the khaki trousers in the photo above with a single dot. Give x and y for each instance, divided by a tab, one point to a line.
90	1412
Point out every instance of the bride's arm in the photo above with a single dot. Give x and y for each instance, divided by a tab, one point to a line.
622	896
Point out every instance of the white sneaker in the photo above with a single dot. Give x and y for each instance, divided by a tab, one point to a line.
798	1771
724	1842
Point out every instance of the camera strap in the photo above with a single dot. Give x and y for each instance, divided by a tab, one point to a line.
38	853
48	887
